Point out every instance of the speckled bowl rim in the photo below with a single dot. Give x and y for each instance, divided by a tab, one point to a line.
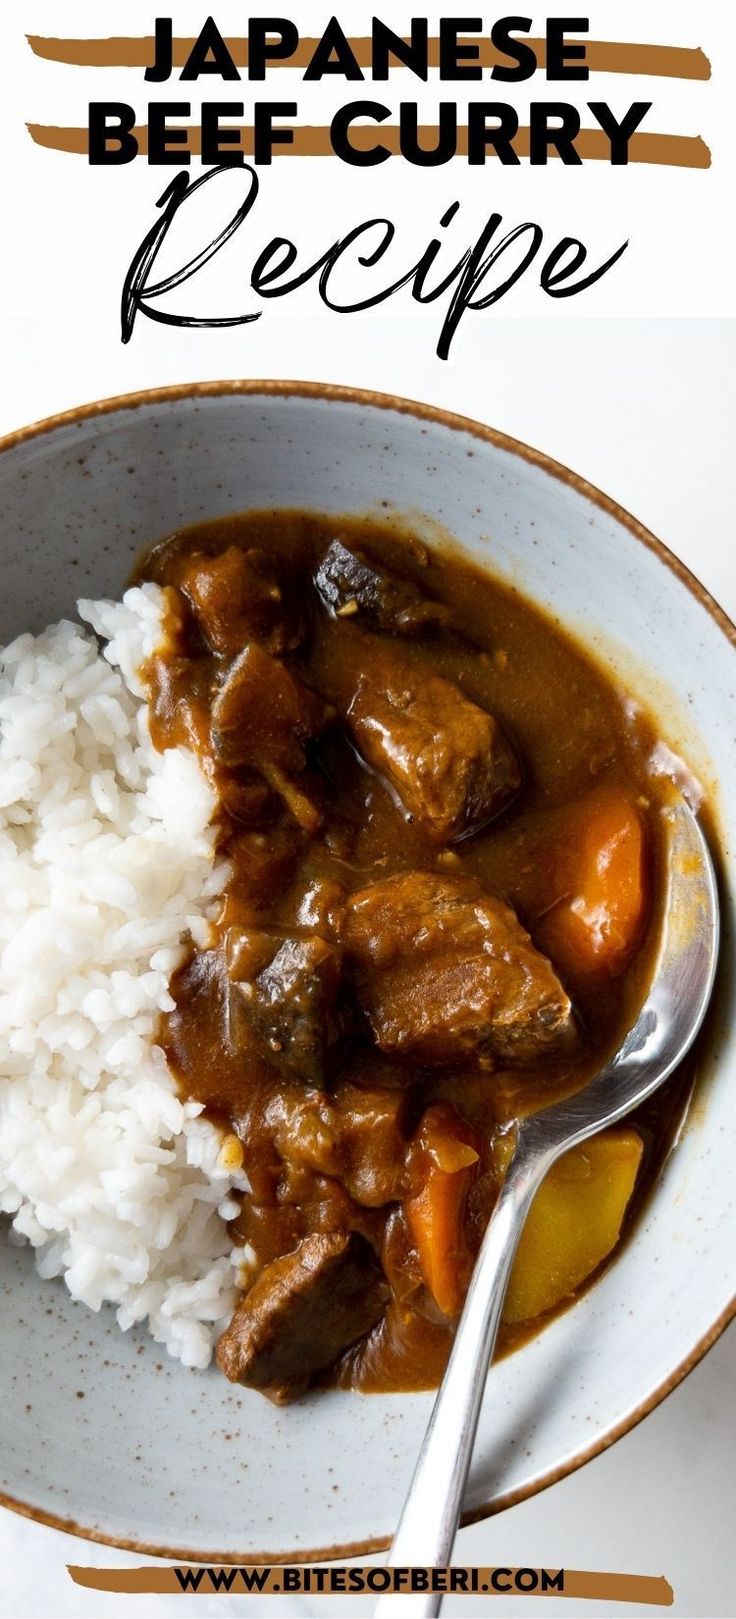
367	399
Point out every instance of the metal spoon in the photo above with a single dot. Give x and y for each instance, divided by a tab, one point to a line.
664	1030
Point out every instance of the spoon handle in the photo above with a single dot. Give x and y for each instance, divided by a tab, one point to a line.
429	1519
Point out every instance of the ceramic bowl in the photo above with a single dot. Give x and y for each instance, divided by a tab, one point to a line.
178	1462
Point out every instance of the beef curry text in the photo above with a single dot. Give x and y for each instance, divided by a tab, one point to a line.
440	914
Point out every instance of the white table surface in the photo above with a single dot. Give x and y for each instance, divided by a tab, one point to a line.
647	410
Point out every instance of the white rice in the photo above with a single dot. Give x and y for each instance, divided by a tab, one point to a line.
106	866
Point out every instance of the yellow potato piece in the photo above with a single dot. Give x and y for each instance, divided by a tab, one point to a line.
574	1222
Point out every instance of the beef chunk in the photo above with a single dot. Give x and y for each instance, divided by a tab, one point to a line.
283	1000
302	1312
356	1138
372	1142
263	715
273	1229
302	1125
447	973
351	586
240	596
447	760
262	719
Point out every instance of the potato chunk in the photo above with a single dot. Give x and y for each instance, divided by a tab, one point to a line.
574	1222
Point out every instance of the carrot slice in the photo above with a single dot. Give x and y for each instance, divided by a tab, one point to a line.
601	864
436	1213
574	1222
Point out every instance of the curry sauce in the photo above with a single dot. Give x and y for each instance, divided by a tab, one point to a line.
441	909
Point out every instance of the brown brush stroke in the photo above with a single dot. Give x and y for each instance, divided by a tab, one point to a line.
670	151
152	1581
603	56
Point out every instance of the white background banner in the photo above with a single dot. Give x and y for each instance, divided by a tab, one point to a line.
71	230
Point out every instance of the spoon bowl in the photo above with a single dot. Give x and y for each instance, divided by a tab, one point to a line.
665	1029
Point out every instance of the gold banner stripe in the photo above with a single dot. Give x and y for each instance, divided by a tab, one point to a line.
670	151
645	1589
603	56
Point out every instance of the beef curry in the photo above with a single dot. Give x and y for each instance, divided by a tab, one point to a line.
440	914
